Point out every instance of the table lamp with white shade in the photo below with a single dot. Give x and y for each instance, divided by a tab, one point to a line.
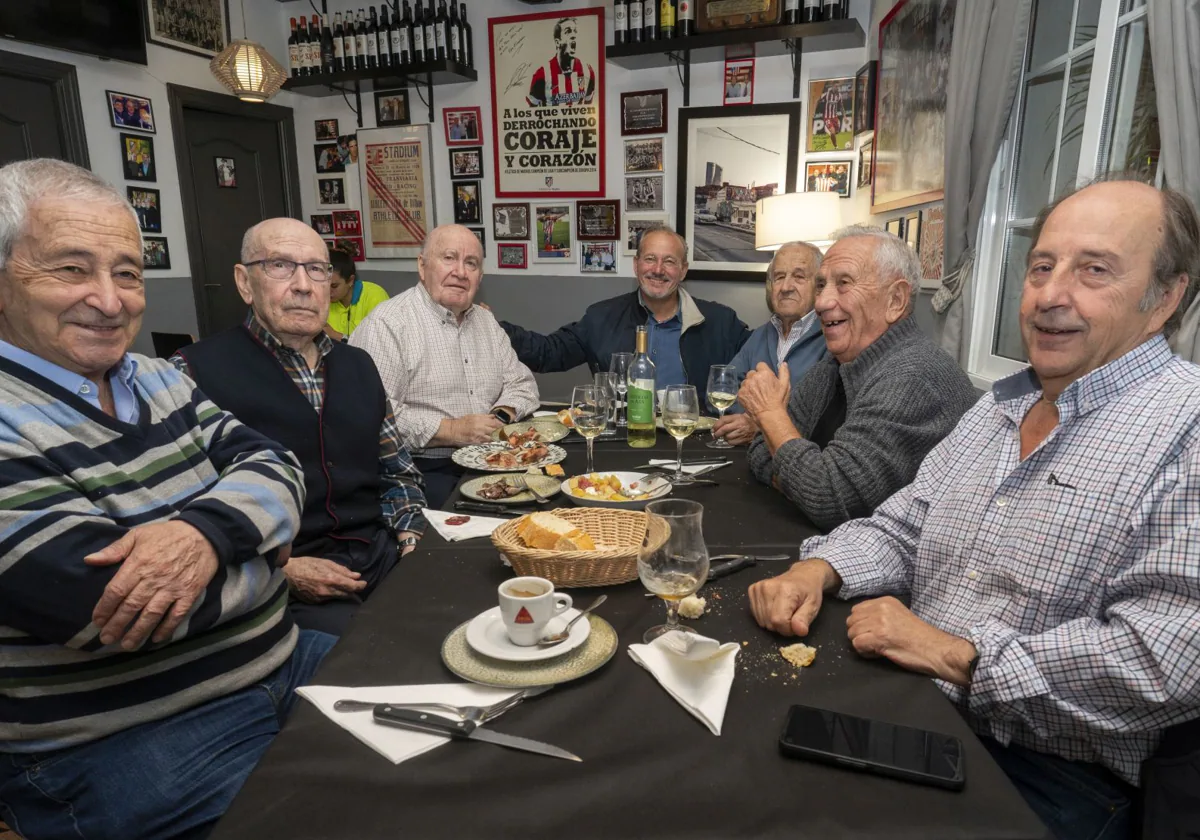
796	217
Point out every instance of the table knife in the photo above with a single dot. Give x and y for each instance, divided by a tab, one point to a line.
731	563
463	730
483	507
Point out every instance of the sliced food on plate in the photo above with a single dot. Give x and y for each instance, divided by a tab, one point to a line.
610	488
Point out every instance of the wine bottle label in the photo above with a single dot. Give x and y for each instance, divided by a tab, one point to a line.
641	405
372	45
360	44
648	12
454	39
395	39
439	37
338	52
812	4
621	17
635	14
791	5
686	12
348	46
418	40
294	55
666	13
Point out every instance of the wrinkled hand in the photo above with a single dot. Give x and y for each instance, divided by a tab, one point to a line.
738	429
885	627
787	604
763	390
165	567
315	579
473	428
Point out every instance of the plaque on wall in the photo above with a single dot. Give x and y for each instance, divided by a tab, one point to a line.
718	15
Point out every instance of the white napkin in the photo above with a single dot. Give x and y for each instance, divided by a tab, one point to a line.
478	526
393	743
695	670
545	414
690	470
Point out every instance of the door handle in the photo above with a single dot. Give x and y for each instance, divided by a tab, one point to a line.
212	285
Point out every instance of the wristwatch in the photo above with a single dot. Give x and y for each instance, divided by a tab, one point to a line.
405	542
502	415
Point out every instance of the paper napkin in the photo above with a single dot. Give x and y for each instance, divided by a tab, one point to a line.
476	526
392	743
690	470
696	670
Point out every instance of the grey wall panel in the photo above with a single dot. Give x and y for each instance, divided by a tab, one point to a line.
170	307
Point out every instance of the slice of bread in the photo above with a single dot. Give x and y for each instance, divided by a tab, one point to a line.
545	530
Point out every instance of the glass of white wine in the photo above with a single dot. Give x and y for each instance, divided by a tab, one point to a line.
678	566
680	413
589	412
619	364
722	393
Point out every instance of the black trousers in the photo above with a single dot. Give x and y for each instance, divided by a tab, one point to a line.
372	560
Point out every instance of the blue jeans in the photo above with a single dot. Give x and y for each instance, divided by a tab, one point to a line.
1076	801
168	778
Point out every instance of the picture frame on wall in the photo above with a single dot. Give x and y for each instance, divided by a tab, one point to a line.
598	257
137	157
466	163
739	82
912	230
155	253
226	169
391	108
828	176
830	124
467	203
199	27
396	184
728	158
644	193
512	255
644	155
481	236
346	223
510	221
327	157
322	223
147	203
864	97
932	248
597	220
865	162
325	130
644	112
552	232
633	228
352	245
464	126
128	111
331	192
910	104
895	226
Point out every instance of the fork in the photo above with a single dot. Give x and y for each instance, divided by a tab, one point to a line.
475	714
523	483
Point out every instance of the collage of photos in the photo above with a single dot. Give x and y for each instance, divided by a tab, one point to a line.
334	156
133	113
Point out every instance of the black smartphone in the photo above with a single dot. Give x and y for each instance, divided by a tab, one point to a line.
873	746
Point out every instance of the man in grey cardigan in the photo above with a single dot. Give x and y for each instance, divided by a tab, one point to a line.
862	420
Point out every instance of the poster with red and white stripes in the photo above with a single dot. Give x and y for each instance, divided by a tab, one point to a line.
548	103
397	189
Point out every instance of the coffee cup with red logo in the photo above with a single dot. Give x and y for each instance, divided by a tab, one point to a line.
527	604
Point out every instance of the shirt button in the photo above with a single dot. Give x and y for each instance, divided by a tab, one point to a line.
1001	502
972	574
85	389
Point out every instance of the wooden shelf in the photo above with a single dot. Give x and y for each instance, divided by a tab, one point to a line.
444	72
707	47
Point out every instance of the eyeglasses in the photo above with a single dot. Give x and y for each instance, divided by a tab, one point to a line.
278	268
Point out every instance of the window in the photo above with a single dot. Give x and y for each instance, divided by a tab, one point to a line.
1085	105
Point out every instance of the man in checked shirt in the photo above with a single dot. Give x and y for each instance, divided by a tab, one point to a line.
280	374
1050	544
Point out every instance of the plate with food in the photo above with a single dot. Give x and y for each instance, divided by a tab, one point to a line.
538	430
506	489
504	457
627	490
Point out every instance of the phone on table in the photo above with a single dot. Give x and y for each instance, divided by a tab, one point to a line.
873	746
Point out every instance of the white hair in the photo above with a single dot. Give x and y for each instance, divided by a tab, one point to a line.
24	183
814	254
894	259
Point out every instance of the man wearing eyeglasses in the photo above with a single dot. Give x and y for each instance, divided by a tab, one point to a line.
280	374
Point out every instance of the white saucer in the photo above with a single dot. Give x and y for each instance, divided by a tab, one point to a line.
486	635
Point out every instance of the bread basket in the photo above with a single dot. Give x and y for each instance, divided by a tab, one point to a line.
618	535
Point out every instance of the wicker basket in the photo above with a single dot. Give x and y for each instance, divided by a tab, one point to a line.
618	535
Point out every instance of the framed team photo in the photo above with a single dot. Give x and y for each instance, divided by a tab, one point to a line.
644	155
552	234
326	130
510	221
512	255
466	163
199	27
597	220
644	192
828	176
148	206
598	257
462	126
137	157
128	111
466	203
831	115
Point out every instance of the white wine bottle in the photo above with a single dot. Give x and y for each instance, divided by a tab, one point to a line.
640	395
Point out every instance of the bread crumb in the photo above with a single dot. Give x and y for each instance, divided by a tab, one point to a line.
799	654
692	606
745	643
533	471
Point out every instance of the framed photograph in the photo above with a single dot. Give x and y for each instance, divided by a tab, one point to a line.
865	162
728	159
632	228
346	223
226	172
910	104
328	158
511	255
912	230
352	245
644	192
932	249
463	126
864	97
128	111
548	104
137	157
326	129
348	149
828	176
553	233
481	236
330	244
391	108
510	221
739	82
147	204
331	192
155	253
322	223
466	203
597	220
466	163
895	226
199	27
644	112
644	155
396	182
598	257
831	115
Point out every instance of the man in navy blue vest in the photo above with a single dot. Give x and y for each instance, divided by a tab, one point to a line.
281	375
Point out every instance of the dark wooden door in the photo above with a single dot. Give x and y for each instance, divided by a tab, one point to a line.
39	111
260	142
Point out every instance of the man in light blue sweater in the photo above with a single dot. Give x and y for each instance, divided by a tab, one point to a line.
793	335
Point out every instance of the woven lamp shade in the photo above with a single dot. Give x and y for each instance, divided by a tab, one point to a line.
247	69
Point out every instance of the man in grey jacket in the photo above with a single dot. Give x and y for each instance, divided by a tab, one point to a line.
862	420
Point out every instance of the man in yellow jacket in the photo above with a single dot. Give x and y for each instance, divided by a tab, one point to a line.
350	299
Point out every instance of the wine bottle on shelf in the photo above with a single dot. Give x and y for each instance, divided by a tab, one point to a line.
360	41
620	21
302	46
430	35
640	395
810	12
791	11
666	18
402	39
349	44
384	37
418	33
455	35
441	31
831	10
845	9
468	39
339	51
373	41
326	45
685	26
294	50
650	30
314	47
635	21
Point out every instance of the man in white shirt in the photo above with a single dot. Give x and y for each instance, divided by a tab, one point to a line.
447	366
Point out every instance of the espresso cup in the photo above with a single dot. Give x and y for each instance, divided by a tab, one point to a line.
527	604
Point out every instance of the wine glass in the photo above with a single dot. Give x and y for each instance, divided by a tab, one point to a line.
589	411
722	393
619	365
680	413
608	382
678	566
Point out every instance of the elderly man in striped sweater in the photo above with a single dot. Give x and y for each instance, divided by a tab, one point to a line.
147	657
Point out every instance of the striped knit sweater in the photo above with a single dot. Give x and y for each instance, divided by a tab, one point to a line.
72	481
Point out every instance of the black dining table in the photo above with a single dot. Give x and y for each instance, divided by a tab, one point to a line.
649	769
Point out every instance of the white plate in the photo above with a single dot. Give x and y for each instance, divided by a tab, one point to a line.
663	488
486	635
474	457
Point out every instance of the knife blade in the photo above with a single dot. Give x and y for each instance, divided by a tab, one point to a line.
463	730
483	507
